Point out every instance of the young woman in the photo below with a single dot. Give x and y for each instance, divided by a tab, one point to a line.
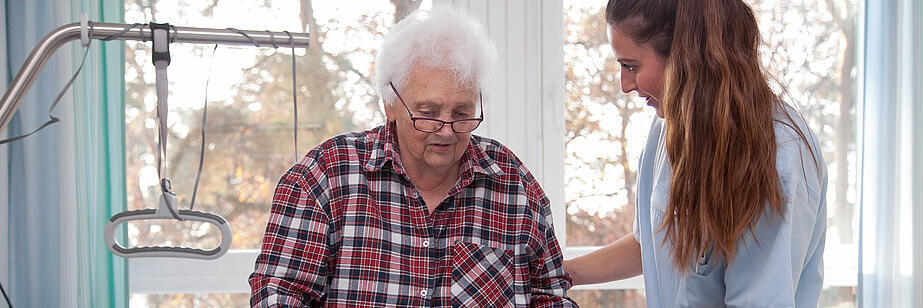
731	192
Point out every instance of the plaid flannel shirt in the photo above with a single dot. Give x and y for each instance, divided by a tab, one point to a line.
348	228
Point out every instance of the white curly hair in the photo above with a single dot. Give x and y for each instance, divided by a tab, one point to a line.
442	38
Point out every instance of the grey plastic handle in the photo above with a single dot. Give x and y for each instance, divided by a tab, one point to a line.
167	203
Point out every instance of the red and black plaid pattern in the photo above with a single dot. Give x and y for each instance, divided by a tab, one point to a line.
481	270
348	229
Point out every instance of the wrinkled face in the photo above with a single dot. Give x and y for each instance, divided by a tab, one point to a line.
432	93
642	68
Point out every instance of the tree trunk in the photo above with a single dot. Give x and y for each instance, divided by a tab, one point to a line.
843	214
844	127
402	8
309	25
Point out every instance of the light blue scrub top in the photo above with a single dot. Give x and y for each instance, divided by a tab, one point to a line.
782	267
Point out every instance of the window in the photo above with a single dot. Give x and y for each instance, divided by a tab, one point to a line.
249	132
249	138
809	46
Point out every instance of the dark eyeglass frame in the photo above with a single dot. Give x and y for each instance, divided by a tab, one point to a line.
442	123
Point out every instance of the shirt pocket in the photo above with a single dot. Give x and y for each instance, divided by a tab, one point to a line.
703	264
703	285
482	276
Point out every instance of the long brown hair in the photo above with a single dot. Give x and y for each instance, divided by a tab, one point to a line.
718	111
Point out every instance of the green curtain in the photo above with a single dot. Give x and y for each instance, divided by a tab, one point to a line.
102	125
64	183
100	161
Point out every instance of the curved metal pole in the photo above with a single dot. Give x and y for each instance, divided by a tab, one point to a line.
64	34
30	69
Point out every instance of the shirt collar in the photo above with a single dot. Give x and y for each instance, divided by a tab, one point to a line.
476	160
384	149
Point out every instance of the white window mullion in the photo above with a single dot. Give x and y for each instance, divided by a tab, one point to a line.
552	113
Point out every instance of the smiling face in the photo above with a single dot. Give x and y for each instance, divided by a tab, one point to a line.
432	93
642	68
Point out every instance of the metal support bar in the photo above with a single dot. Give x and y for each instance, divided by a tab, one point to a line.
64	34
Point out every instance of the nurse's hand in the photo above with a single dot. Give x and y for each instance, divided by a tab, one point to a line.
617	261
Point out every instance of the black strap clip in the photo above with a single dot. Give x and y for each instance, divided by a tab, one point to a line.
160	56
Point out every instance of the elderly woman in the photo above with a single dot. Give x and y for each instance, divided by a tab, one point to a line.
416	212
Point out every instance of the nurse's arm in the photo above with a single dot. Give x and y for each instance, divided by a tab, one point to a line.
617	261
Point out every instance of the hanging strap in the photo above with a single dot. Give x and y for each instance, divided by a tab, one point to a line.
291	42
198	175
161	58
160	36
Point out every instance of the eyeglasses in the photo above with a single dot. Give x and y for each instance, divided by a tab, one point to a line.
430	125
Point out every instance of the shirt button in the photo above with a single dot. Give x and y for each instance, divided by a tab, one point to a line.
423	293
425	243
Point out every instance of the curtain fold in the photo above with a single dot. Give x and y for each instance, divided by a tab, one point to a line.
891	145
64	182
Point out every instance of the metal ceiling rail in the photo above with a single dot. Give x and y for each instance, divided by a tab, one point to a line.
98	30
